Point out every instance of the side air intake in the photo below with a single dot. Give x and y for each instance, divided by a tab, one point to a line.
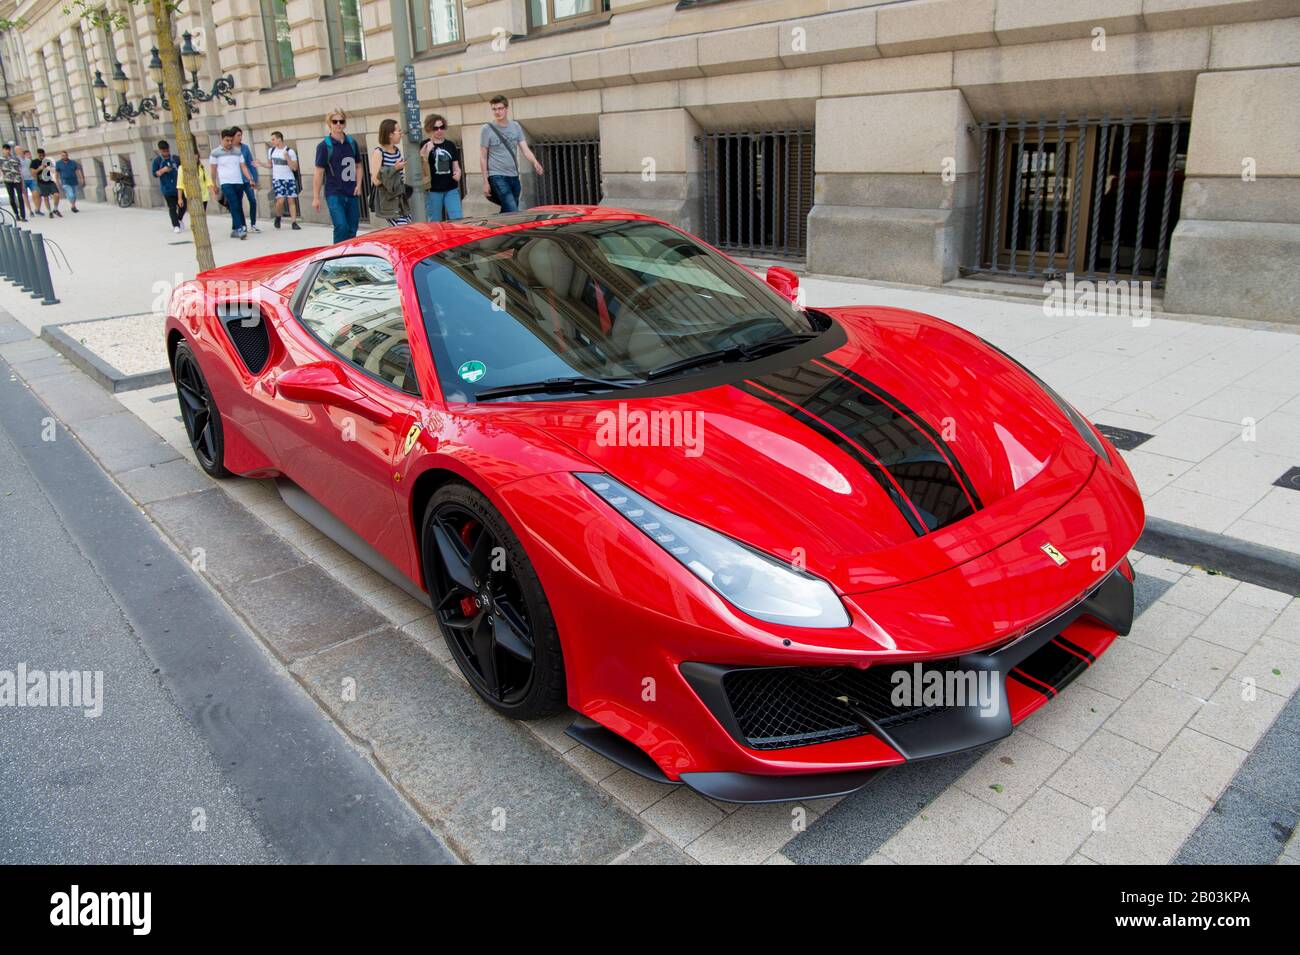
247	330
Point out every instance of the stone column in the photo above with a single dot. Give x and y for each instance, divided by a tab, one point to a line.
650	162
1235	249
894	189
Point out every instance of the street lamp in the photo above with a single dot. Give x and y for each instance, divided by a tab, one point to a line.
194	94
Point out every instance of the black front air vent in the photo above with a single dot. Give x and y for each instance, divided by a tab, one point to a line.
247	330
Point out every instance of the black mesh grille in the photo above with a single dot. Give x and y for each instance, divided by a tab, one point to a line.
779	707
250	339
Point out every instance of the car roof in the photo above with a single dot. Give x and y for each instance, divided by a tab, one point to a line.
420	239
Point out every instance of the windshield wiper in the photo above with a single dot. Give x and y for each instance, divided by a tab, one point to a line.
741	352
556	386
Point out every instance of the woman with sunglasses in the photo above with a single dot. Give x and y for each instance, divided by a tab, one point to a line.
442	201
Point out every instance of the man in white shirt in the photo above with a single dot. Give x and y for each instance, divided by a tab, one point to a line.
230	173
283	163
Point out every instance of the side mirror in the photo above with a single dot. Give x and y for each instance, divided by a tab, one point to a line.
785	282
324	383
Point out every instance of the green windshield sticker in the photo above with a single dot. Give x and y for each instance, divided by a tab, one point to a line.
472	371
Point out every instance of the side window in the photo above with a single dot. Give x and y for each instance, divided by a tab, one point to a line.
355	309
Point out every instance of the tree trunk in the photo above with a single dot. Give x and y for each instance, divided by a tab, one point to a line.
173	83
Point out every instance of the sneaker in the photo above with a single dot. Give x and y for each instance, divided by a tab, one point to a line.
75	209
243	233
277	222
39	213
234	234
56	212
176	229
297	227
255	228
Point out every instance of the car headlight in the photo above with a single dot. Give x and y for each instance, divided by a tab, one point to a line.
1079	422
751	581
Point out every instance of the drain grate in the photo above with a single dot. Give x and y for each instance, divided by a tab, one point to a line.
1123	438
1289	480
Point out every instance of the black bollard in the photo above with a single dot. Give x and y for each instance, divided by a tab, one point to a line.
45	283
6	266
31	283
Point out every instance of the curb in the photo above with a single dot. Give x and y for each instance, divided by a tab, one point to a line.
100	371
1242	560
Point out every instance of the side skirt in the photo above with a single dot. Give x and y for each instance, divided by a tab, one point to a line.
315	514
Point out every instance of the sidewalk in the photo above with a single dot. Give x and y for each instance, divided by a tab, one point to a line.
1212	410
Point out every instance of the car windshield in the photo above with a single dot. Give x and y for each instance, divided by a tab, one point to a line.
603	301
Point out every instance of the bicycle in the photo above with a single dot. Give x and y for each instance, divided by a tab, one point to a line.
124	190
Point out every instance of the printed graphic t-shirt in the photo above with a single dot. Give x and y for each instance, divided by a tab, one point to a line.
280	159
441	156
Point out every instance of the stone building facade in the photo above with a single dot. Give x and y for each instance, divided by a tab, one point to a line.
914	141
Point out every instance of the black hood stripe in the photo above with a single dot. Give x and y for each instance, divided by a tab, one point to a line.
942	446
870	464
916	462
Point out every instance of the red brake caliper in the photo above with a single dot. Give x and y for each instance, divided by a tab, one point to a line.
468	606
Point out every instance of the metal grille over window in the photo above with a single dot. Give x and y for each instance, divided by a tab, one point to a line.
572	172
1098	198
758	191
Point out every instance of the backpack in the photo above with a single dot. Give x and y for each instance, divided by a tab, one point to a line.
348	140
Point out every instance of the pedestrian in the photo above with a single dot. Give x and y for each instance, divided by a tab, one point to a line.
498	143
250	180
34	200
165	166
70	177
230	174
283	162
442	201
390	199
205	188
11	167
338	173
46	183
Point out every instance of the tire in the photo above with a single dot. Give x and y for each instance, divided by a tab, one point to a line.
199	412
513	607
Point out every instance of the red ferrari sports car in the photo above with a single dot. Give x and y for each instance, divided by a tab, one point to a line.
761	549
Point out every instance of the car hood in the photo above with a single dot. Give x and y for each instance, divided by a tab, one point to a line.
911	447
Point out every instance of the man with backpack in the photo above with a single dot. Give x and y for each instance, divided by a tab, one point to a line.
497	145
338	174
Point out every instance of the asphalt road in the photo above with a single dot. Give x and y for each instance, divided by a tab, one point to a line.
205	750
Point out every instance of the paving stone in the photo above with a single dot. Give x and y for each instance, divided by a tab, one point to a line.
1257	596
654	852
1153	715
76	399
1287	626
122	442
635	791
1105	768
1231	717
1274	665
1200	592
492	788
1193	770
26	349
590	763
1146	591
750	834
549	730
945	832
1123	668
1159	567
302	610
1236	624
977	859
157	482
236	546
1046	830
34	369
1011	771
878	858
1241	829
683	816
1144	829
11	330
1163	627
1070	717
1197	667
